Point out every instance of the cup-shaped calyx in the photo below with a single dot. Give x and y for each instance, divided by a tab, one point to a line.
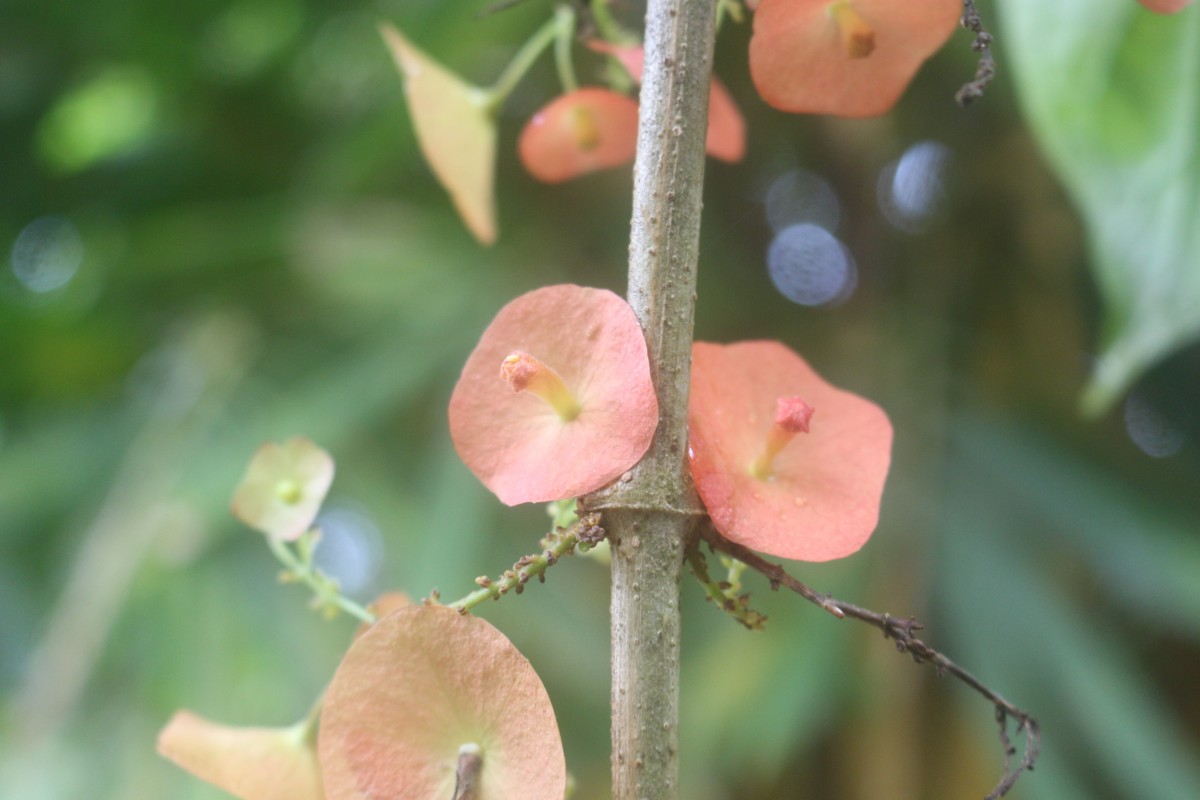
428	699
849	58
785	463
250	763
456	129
556	400
283	488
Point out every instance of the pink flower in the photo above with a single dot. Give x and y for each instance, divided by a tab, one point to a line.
556	400
850	58
785	463
425	686
583	131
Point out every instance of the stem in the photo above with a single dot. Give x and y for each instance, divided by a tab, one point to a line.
321	585
649	516
565	18
902	632
521	63
608	27
558	544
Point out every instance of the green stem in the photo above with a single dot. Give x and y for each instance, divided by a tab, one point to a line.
610	30
324	588
564	16
725	593
555	546
521	63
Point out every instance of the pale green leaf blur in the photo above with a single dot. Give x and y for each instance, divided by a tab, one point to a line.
216	230
1113	94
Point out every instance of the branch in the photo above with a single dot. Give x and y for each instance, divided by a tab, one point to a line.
986	71
560	542
901	631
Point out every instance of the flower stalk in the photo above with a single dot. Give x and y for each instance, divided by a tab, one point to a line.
650	515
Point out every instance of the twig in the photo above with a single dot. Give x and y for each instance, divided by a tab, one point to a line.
901	632
724	593
561	542
986	71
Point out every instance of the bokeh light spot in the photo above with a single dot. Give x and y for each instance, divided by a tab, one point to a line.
350	550
47	254
911	190
810	266
1154	433
800	196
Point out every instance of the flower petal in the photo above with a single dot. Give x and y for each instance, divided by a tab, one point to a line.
514	442
250	763
456	130
583	131
799	61
283	488
822	499
419	685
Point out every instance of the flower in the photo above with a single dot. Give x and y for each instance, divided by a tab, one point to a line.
456	129
785	463
579	132
556	400
851	58
250	763
1166	6
283	488
424	688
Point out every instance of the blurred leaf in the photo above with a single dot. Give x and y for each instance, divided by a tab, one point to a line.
1113	93
1016	627
1144	553
108	116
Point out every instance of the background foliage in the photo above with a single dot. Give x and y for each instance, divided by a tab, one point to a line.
261	252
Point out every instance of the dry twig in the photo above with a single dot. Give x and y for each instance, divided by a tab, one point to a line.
902	632
986	71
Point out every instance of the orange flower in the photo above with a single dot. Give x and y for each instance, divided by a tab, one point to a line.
785	463
556	400
583	131
850	58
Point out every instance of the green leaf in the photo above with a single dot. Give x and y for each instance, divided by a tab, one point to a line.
1112	92
1012	621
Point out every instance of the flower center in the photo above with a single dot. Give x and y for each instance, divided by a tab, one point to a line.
857	36
525	373
584	128
289	491
792	416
